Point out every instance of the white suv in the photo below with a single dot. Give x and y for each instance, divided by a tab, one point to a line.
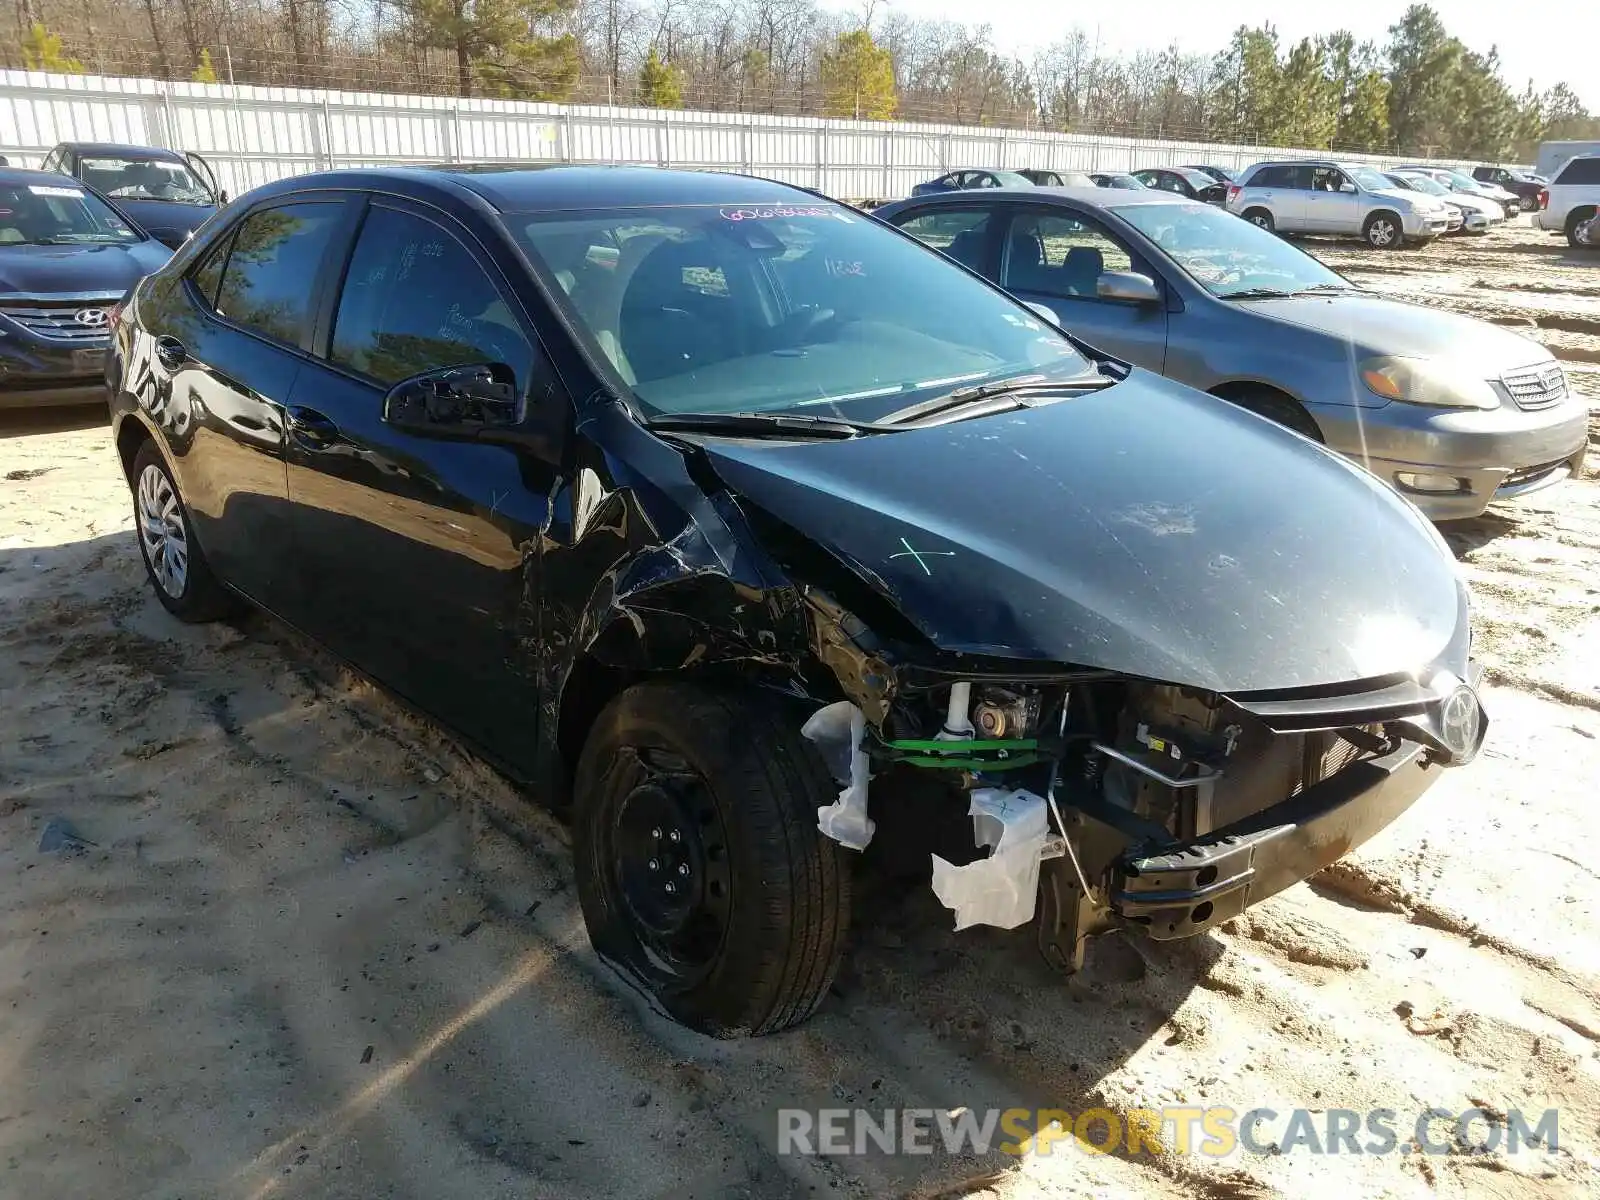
1309	196
1571	198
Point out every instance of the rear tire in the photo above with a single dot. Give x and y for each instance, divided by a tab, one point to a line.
1575	220
1383	231
1261	218
736	925
173	560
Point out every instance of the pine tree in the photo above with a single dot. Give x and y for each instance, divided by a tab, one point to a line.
660	85
858	78
205	72
42	51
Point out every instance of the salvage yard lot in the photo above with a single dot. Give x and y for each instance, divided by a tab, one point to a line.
312	949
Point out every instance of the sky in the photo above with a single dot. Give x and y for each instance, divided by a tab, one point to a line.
1555	43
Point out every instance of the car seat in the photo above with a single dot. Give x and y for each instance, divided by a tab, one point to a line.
665	327
1080	270
967	247
1025	261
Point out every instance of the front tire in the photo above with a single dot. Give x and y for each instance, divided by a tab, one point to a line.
173	560
701	871
1383	231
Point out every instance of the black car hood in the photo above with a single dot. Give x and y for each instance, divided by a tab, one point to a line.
166	217
43	271
1145	528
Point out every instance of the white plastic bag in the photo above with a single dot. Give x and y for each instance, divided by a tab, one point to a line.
1003	889
837	731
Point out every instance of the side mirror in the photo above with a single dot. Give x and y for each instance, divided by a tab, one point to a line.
1348	188
1045	311
223	197
4	161
454	402
1129	286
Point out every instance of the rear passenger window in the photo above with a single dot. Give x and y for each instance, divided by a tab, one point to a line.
959	234
277	252
415	300
1580	170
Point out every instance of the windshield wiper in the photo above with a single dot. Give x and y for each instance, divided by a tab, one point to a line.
1256	293
985	394
762	424
1324	288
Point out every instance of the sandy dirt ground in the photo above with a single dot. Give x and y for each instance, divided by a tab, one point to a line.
314	950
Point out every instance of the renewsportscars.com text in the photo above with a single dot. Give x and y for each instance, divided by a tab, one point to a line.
1216	1131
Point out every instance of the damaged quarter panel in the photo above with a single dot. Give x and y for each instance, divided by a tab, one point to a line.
1144	528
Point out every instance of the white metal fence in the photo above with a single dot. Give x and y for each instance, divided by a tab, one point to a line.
252	135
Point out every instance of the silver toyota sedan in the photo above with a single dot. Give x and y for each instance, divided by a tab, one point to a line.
1451	411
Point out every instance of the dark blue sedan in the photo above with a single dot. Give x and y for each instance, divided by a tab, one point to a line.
169	193
66	258
960	181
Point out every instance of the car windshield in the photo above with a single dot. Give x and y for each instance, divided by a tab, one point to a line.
1226	256
1012	179
1425	183
1197	179
1458	180
771	308
144	179
55	214
1373	181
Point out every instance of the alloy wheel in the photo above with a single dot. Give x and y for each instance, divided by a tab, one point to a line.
1382	233
161	532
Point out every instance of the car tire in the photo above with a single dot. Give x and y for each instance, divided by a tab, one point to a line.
1526	204
177	567
1383	231
701	871
1275	406
1261	218
1575	221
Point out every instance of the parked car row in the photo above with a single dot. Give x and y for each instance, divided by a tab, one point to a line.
752	533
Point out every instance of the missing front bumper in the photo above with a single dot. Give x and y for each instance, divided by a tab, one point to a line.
1187	889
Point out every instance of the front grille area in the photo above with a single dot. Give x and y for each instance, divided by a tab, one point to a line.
71	324
1537	387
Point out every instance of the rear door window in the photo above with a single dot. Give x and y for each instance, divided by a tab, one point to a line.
268	284
962	233
415	299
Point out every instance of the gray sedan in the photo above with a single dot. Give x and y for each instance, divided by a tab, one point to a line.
1452	412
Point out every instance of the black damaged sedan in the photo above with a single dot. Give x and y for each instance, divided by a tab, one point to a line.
753	534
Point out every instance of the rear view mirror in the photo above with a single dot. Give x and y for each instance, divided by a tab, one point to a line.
454	402
1129	286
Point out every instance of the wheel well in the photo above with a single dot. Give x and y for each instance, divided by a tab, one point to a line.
1257	208
1268	401
1382	212
1579	215
130	436
590	687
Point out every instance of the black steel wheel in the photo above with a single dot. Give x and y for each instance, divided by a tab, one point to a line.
701	871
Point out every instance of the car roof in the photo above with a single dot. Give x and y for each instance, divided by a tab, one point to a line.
27	175
558	186
1090	197
123	150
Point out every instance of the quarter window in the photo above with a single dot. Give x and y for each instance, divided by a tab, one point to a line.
277	252
209	273
1580	170
415	300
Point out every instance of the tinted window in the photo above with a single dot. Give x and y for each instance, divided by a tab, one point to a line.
144	179
414	299
209	273
1580	170
277	252
961	234
1060	256
1281	175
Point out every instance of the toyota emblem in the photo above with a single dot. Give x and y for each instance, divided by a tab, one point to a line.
93	318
